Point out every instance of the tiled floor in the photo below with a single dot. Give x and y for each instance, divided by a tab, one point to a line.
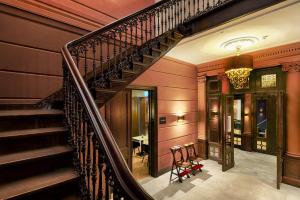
252	178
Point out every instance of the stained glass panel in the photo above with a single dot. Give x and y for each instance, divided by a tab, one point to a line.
268	80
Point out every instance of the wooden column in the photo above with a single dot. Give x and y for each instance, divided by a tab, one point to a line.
225	83
291	169
247	133
202	137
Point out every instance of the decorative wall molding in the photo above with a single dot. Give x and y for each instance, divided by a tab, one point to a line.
202	78
261	59
291	67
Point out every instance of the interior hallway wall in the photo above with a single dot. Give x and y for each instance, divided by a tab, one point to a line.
30	42
176	84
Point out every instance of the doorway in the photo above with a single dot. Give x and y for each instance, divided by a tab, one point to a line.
264	123
143	115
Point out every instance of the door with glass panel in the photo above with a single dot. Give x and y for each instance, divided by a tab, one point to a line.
238	109
264	123
227	132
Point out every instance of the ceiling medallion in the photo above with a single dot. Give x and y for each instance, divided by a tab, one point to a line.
238	68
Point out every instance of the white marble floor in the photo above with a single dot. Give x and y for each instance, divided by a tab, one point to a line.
252	178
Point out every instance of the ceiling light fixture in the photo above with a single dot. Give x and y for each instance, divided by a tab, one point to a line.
238	68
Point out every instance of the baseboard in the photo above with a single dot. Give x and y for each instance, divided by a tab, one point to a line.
291	169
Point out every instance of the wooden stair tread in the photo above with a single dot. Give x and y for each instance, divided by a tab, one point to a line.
31	132
33	154
35	112
36	183
149	56
129	72
118	80
155	49
139	63
105	90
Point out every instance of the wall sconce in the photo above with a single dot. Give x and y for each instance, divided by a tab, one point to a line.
246	114
214	113
180	118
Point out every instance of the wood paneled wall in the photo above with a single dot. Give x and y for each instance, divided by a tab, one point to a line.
32	34
86	14
176	84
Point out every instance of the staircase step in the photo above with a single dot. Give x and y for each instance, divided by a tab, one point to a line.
105	90
31	132
156	52
147	59
33	154
31	112
163	46
36	183
127	74
117	82
138	66
177	35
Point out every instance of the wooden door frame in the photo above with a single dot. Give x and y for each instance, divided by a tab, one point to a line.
153	141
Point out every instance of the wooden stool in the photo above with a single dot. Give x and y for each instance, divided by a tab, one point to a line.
181	167
193	157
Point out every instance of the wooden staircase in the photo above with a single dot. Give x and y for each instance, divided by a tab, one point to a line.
35	158
140	64
70	153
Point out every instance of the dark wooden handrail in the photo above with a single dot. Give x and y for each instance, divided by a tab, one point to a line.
114	155
94	61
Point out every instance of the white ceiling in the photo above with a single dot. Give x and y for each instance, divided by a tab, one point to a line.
280	23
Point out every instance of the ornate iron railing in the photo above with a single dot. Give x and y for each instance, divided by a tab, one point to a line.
92	62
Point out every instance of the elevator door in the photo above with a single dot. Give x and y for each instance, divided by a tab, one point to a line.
265	123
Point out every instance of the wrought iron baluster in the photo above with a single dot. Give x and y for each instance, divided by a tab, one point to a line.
83	150
166	18
101	55
108	53
169	17
95	148
158	22
88	159
184	9
94	61
150	27
115	49
101	160
189	7
120	47
207	5
162	21
85	64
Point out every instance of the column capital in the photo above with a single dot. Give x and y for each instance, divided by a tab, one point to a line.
291	66
201	78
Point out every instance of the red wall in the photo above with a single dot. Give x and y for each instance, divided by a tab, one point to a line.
86	14
176	84
30	64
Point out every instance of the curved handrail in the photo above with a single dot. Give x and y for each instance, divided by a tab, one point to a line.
106	51
116	159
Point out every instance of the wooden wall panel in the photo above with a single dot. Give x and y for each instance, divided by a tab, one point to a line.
171	132
165	79
167	93
177	93
23	85
30	60
34	33
86	14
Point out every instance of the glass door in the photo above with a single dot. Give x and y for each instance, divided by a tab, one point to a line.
265	123
228	133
